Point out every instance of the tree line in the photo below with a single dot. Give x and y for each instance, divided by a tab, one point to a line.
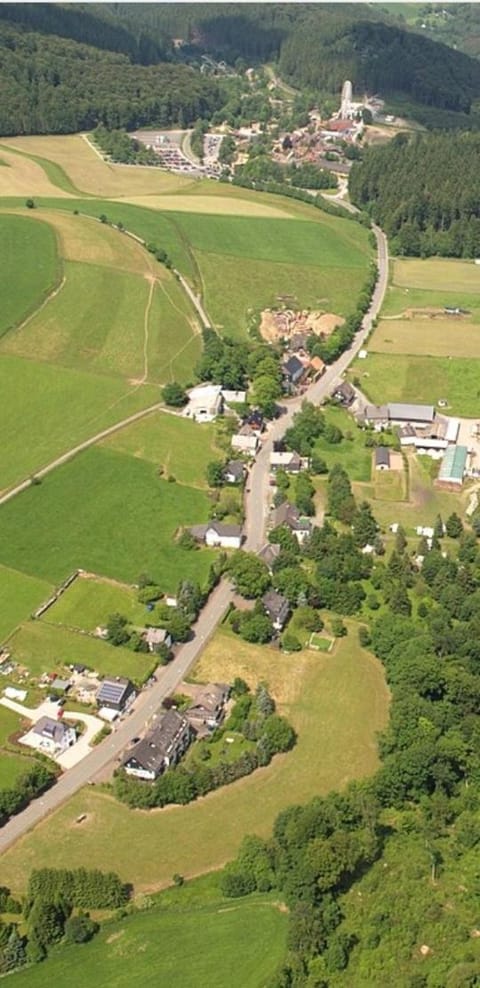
425	193
418	608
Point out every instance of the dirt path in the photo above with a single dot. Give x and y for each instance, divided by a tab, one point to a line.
146	319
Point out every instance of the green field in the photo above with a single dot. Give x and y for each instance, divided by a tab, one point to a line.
218	945
401	377
174	340
437	337
86	604
337	704
181	447
96	323
9	723
108	513
12	767
398	299
46	410
20	595
437	274
29	267
42	647
354	457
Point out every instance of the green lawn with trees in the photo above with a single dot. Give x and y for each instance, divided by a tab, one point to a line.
29	267
87	604
400	377
108	513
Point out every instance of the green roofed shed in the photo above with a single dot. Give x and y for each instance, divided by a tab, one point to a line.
453	465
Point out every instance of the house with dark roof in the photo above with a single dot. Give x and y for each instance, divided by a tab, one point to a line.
287	460
234	472
208	707
293	371
116	693
382	458
289	515
161	748
277	608
344	393
269	554
255	419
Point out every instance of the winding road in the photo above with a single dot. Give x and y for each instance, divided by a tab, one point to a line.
169	677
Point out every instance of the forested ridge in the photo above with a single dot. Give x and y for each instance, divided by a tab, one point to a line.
424	192
53	85
382	880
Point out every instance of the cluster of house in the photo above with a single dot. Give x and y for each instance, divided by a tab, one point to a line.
299	368
172	733
427	432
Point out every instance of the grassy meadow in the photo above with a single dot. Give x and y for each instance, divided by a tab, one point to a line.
423	355
181	447
88	603
41	647
337	704
47	409
29	267
108	513
174	343
20	595
220	944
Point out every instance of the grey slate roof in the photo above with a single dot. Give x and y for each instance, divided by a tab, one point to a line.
382	456
411	413
150	753
275	604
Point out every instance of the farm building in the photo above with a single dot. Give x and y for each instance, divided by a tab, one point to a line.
114	694
452	468
382	458
417	415
205	402
376	416
161	748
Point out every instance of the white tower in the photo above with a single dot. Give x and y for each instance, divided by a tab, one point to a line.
346	103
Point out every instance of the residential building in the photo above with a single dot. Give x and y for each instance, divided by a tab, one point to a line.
161	748
317	366
344	393
269	554
234	397
255	420
376	416
115	694
246	440
216	534
205	402
208	707
54	736
234	472
382	458
277	608
289	515
291	462
156	637
293	371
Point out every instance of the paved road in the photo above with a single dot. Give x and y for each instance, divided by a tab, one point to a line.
170	676
256	499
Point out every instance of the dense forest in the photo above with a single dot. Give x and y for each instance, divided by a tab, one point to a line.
315	46
424	192
52	85
382	880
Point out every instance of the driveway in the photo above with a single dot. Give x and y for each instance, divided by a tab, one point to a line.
79	750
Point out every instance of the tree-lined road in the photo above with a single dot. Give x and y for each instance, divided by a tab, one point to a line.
168	678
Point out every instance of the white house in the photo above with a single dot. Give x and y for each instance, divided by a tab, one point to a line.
246	441
289	461
205	402
234	397
54	736
155	637
215	534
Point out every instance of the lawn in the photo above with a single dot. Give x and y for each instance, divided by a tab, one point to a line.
437	274
399	377
46	410
174	340
20	595
218	945
29	267
337	704
181	447
425	501
12	767
42	647
9	723
389	485
398	300
108	513
88	603
351	453
95	323
436	337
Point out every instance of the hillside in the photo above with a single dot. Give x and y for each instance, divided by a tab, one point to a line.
411	188
54	85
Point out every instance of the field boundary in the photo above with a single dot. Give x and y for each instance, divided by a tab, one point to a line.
57	284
